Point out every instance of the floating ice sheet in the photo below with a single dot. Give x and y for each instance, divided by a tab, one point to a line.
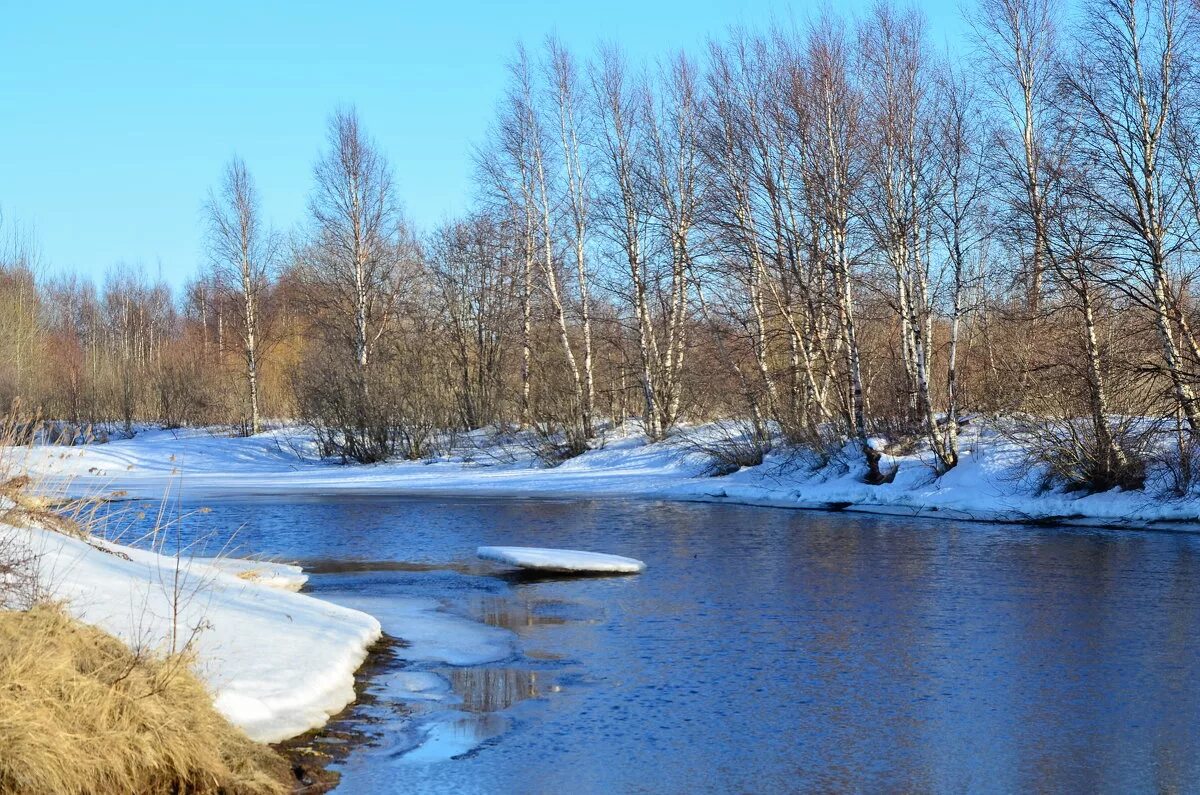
565	560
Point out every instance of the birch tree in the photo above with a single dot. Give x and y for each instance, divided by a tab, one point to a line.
507	187
744	163
899	198
518	173
577	197
673	126
834	175
648	148
243	254
1018	41
353	268
1127	83
959	205
625	205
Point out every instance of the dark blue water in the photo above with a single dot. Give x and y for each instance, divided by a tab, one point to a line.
765	650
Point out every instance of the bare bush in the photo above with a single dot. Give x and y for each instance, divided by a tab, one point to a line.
1074	456
729	445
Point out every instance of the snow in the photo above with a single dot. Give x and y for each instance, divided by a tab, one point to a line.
993	482
564	560
284	576
278	663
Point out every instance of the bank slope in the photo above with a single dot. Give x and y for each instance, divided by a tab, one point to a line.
277	662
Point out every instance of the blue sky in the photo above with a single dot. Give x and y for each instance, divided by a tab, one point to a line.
116	118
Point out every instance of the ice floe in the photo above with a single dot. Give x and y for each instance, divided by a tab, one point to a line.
561	560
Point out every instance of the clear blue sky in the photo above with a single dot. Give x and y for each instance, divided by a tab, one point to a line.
115	118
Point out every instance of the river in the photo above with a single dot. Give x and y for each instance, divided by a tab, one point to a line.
761	651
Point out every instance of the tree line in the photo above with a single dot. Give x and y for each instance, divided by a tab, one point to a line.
834	233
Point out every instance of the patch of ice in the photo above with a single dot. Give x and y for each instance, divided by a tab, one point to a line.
454	734
414	685
431	634
564	560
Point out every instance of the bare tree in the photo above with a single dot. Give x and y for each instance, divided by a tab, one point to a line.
472	265
244	254
673	127
960	202
577	190
650	163
744	164
1018	42
898	190
20	267
624	203
354	258
1130	77
355	268
834	175
507	186
517	171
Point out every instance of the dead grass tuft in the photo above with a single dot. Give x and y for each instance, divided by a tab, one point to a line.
81	714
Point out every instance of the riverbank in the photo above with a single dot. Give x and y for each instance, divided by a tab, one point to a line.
81	712
995	481
276	662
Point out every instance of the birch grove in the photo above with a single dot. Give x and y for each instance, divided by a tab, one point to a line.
837	238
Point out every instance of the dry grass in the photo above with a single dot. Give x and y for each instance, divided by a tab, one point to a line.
80	714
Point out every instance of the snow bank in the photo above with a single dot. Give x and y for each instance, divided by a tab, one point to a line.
992	482
277	663
284	576
565	560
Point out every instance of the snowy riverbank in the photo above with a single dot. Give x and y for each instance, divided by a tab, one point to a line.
277	662
993	482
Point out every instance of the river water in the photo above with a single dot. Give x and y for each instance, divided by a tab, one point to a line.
761	651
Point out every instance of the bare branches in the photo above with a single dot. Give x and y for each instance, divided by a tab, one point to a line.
244	256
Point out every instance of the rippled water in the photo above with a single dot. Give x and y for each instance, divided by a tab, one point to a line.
762	650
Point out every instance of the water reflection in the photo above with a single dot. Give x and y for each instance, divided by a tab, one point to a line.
517	613
333	566
494	689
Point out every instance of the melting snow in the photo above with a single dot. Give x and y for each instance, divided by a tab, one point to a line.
278	663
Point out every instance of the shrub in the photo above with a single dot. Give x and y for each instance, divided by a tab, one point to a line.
1073	454
730	446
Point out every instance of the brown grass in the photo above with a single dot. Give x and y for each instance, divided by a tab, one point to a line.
81	714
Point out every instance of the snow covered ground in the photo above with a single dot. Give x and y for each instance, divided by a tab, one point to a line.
278	663
993	482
